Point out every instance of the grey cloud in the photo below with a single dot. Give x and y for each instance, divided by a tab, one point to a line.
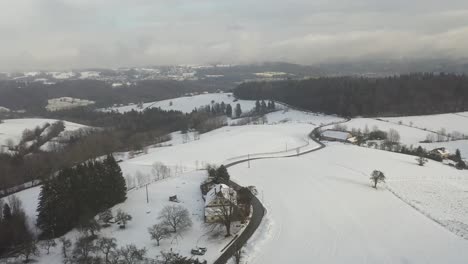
64	34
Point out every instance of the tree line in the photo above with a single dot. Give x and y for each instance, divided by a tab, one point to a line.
412	94
116	132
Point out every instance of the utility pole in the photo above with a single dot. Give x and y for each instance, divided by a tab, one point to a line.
248	160
147	199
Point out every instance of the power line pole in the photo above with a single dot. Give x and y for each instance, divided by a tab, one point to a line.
147	198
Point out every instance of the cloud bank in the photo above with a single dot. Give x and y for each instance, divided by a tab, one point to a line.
64	34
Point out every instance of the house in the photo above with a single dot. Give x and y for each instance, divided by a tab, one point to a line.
440	152
336	135
219	198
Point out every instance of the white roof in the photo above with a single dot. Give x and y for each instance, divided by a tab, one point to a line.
336	134
220	189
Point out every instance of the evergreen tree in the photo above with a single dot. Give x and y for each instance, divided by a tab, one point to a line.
257	106
229	110
223	107
76	194
118	190
458	157
238	110
222	175
273	106
6	212
264	106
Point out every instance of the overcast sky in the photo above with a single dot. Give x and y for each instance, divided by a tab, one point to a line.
65	34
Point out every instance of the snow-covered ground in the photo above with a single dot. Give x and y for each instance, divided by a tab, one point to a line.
320	206
287	115
13	128
187	103
322	209
450	122
222	145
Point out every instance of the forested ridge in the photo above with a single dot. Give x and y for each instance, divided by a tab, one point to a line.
413	94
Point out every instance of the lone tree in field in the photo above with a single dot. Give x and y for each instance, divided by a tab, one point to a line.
122	218
175	217
159	232
421	160
376	177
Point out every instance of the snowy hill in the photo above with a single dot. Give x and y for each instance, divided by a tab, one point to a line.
12	129
188	103
320	206
322	209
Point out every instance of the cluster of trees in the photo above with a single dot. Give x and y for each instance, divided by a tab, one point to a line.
31	140
218	175
221	109
262	107
75	195
413	94
15	235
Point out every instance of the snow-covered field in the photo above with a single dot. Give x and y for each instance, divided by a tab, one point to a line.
450	122
320	206
187	103
287	115
222	145
409	135
321	209
62	103
13	128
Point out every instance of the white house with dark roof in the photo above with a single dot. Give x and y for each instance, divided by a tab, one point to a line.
218	196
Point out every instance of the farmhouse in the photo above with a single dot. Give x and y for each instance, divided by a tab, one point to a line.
336	135
217	200
440	152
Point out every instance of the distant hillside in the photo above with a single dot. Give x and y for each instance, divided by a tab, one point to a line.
414	94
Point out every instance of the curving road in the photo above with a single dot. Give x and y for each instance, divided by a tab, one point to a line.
259	210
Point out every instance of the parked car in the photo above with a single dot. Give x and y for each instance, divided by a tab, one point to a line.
198	252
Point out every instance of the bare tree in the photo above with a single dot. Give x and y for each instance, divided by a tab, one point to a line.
122	218
160	171
106	246
224	211
376	177
176	217
84	247
421	160
66	244
393	136
47	244
159	232
90	227
238	255
28	249
130	254
106	216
